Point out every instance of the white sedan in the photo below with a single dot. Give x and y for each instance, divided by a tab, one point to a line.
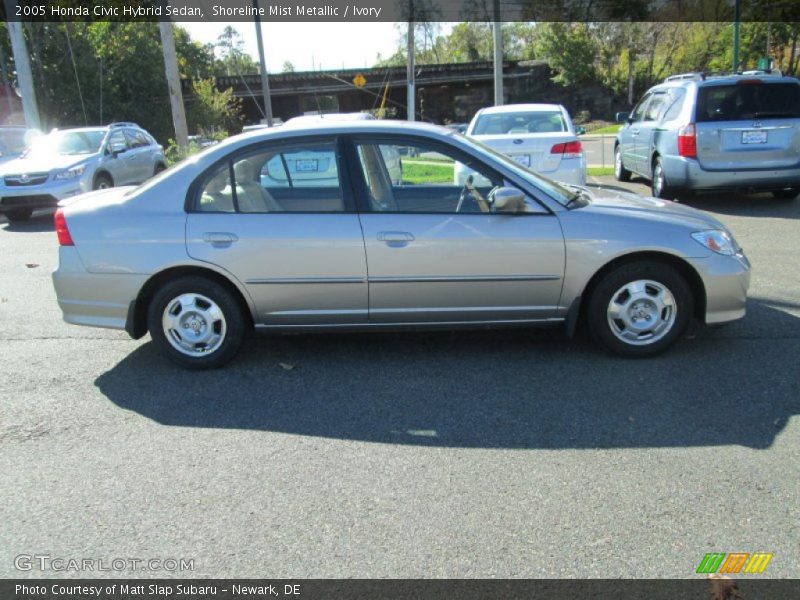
540	137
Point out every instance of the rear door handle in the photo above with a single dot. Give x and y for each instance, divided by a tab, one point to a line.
219	239
395	238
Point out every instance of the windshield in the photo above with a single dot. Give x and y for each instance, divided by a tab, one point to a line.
67	143
556	191
13	142
539	121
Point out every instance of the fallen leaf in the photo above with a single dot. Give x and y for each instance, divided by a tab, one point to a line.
286	366
31	265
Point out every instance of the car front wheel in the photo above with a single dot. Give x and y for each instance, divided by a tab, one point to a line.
102	182
640	309
196	323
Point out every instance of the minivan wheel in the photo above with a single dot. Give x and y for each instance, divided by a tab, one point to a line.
660	188
196	323
19	214
640	309
788	194
102	182
620	172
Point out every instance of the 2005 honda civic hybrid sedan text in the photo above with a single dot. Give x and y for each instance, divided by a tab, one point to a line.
210	249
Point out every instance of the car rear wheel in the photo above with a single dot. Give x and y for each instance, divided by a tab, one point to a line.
102	182
19	214
196	323
640	309
620	172
788	194
659	186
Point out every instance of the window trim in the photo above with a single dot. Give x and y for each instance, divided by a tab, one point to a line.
194	191
360	184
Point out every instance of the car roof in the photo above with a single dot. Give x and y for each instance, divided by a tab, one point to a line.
513	108
336	127
352	116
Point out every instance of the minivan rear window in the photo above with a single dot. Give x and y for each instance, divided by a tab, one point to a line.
740	101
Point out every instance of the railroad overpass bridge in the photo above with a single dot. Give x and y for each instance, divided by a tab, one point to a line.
445	92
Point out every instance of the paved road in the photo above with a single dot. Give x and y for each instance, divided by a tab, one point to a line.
483	454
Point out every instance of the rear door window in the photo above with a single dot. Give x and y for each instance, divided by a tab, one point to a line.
741	101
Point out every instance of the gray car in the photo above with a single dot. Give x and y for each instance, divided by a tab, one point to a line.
69	162
203	253
705	132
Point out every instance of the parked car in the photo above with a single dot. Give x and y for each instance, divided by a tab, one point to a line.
706	132
458	127
205	252
69	162
540	137
14	141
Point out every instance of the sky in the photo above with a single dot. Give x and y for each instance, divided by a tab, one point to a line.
310	45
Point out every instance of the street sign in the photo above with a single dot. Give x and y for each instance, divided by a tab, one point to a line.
359	81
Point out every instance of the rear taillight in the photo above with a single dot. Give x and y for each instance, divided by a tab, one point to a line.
62	231
687	141
568	149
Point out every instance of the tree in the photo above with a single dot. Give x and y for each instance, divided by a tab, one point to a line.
211	112
288	67
233	60
569	49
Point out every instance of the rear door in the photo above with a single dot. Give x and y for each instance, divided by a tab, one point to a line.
120	164
281	218
751	124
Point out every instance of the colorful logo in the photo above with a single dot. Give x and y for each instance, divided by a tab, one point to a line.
735	562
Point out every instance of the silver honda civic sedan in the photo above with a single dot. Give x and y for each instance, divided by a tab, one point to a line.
247	235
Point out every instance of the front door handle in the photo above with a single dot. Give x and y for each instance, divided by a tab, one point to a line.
219	239
395	236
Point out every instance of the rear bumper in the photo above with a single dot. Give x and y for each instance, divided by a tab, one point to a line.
96	300
688	174
726	280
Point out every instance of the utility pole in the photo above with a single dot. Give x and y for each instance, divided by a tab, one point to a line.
263	64
411	94
737	13
498	55
174	84
22	65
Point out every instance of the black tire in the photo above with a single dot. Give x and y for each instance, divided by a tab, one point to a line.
789	194
620	172
15	215
656	275
658	183
231	327
158	168
102	181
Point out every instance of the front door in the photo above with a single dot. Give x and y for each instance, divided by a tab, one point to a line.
279	218
434	252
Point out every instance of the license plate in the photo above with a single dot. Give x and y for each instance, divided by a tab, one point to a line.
308	165
754	137
523	159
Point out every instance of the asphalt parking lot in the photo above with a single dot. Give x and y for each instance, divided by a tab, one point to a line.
470	454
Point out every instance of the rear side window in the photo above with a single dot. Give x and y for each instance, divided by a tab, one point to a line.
742	101
675	104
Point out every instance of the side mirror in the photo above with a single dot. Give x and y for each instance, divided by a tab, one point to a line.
580	130
506	199
622	117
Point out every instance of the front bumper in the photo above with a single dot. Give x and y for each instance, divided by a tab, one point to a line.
43	195
688	174
726	280
96	300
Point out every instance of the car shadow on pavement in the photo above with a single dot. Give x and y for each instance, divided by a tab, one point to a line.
745	205
486	389
39	222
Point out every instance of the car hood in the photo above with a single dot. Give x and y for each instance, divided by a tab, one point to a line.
43	164
616	200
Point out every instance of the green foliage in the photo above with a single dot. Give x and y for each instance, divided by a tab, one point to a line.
212	112
233	59
569	49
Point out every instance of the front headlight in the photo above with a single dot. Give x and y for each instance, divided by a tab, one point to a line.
70	173
717	240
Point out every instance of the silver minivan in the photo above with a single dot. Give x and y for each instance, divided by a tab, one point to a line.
705	132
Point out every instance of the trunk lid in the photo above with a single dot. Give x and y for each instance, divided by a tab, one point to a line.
532	150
